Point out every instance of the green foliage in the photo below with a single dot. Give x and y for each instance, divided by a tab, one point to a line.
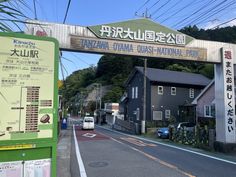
76	82
226	34
10	15
91	107
178	67
207	70
110	66
114	95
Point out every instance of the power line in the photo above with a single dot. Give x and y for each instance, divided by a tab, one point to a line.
223	23
67	9
35	12
69	61
206	12
195	12
42	10
142	6
61	68
169	9
80	59
217	11
178	11
154	4
160	7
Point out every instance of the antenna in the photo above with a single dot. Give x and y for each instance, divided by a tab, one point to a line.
144	14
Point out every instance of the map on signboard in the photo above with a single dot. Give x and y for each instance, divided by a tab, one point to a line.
26	88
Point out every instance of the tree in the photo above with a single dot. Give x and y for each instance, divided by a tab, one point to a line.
10	15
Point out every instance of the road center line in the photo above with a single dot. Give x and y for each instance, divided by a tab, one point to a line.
155	159
79	159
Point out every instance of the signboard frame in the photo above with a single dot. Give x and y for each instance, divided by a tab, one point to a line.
36	148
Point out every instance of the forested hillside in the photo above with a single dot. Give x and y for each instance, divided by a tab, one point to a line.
114	70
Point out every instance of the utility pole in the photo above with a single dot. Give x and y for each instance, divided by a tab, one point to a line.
100	103
143	129
96	90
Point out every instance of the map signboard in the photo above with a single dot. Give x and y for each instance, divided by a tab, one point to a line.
11	169
29	168
37	168
27	74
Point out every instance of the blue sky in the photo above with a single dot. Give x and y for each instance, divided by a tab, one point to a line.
172	13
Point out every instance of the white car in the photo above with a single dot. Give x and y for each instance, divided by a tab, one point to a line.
88	123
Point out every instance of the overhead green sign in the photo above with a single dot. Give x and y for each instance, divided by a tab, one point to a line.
141	30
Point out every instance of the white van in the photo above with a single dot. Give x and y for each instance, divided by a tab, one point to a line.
88	123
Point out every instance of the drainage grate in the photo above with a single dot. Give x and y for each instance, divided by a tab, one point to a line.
98	164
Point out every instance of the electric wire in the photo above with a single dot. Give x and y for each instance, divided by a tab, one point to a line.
142	6
160	7
153	5
216	12
42	10
75	65
178	11
35	11
169	9
63	67
204	13
67	9
80	59
195	12
223	23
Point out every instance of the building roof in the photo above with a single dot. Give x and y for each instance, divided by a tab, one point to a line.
194	102
175	77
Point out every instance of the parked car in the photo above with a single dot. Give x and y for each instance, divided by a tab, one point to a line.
189	126
88	123
163	132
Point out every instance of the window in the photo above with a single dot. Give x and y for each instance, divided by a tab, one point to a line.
136	92
167	114
160	90
132	92
173	90
191	93
137	114
157	115
209	110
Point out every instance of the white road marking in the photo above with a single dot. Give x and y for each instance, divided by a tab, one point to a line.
79	159
89	135
175	147
136	141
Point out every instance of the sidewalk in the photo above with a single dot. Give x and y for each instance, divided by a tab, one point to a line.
67	165
63	153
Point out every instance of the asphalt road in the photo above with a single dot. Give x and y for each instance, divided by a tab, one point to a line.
110	154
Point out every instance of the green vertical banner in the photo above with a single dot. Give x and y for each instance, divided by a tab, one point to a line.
28	105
